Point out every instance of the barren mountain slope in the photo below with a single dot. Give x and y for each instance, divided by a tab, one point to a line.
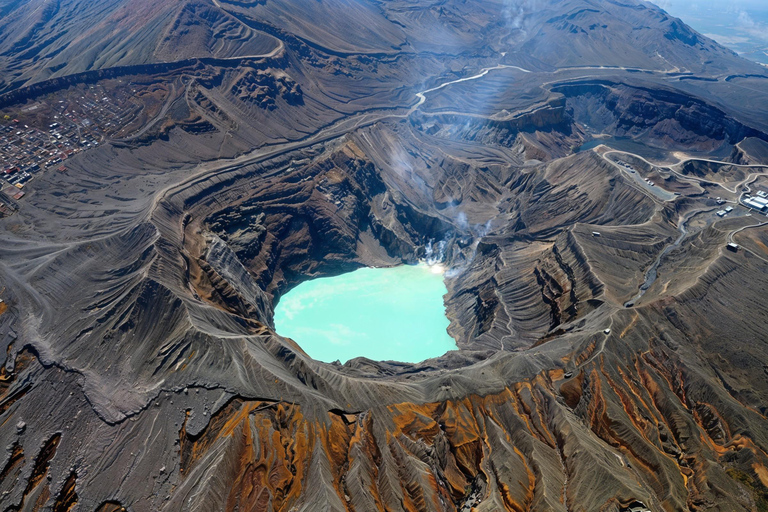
42	38
611	349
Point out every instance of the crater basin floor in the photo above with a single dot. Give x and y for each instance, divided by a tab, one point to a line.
383	314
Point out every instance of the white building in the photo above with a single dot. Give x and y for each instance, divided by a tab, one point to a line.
753	203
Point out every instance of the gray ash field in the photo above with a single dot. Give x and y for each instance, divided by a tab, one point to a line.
585	163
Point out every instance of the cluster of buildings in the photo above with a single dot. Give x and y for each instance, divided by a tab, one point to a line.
78	122
759	202
75	122
725	211
25	151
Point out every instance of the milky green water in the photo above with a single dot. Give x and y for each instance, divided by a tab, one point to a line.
380	313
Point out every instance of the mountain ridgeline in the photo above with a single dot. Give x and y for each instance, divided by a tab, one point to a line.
190	162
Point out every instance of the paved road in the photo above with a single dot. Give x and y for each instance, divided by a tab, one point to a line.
334	130
681	162
653	190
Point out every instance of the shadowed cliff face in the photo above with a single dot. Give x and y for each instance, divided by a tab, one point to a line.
611	350
655	116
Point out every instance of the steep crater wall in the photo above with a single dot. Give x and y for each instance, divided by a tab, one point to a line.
656	116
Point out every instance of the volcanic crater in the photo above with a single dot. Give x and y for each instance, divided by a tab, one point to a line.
611	344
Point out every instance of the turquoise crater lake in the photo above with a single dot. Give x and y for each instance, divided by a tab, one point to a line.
383	314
